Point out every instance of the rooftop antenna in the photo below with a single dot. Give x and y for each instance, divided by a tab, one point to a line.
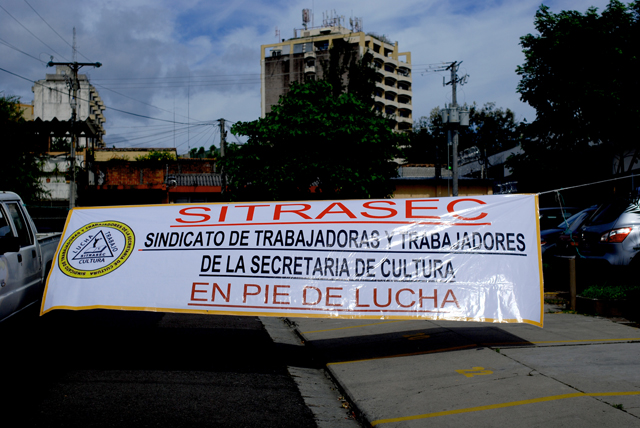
277	34
306	17
75	49
356	24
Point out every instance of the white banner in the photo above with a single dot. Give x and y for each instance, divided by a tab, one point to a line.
466	259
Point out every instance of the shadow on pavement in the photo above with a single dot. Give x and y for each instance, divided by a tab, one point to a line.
412	342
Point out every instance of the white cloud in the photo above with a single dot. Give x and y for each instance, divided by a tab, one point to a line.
143	43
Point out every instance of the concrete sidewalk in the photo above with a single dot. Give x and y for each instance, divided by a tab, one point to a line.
576	371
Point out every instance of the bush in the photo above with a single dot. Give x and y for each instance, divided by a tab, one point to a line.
613	292
157	156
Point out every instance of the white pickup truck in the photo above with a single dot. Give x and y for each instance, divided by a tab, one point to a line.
25	256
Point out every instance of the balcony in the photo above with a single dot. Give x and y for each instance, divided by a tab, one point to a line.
404	75
404	99
390	109
404	71
405	92
390	81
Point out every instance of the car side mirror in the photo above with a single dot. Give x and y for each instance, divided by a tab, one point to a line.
9	244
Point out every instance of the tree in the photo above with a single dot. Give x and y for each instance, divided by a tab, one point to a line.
347	71
19	164
428	141
201	153
314	138
491	130
579	76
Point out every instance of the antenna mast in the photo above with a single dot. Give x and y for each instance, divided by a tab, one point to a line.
75	49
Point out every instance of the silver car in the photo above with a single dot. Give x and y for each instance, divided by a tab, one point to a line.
612	234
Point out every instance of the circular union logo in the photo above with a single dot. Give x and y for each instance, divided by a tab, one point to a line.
96	249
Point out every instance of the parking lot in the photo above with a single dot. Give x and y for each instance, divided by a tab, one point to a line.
576	371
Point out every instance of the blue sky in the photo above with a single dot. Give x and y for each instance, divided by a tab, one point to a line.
198	61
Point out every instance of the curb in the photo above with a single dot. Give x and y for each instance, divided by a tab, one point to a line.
359	415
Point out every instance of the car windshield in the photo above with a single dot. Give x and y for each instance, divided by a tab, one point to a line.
567	224
609	212
550	216
575	220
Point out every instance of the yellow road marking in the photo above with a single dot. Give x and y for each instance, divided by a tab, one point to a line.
475	371
352	326
503	405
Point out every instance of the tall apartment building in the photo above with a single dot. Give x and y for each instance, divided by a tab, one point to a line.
300	58
52	100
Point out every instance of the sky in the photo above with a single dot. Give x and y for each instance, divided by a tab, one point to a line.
171	69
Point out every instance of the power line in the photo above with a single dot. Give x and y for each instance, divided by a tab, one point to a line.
141	102
52	50
170	85
101	86
111	108
167	134
52	29
38	59
586	184
183	77
9	45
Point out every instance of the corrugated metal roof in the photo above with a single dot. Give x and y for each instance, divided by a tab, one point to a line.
195	179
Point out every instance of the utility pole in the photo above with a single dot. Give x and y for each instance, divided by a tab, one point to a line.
454	104
75	66
223	146
454	116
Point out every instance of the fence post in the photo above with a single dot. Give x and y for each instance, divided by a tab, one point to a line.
572	282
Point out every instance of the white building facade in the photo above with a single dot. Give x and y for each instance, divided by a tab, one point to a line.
52	99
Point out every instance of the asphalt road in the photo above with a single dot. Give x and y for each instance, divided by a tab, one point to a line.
116	369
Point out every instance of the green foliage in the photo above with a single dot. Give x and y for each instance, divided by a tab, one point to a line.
19	163
381	37
610	292
157	156
61	144
490	129
428	141
347	72
314	137
201	153
579	76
